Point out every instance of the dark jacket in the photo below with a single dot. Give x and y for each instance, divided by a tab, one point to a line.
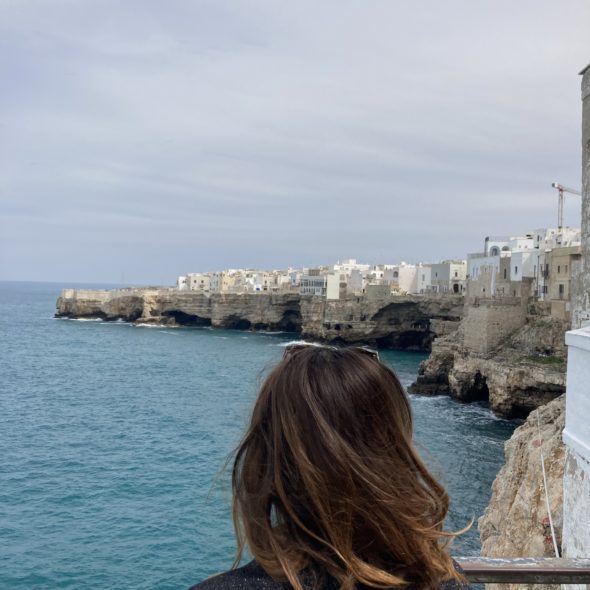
253	577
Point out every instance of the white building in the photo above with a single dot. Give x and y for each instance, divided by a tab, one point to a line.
478	263
313	283
423	278
335	285
221	282
348	265
493	245
198	281
449	276
355	283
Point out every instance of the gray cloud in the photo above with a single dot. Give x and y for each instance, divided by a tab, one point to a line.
142	141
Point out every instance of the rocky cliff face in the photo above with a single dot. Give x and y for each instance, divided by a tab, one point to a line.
177	308
516	521
408	322
402	322
524	372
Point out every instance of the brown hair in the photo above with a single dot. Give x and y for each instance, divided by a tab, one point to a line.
327	478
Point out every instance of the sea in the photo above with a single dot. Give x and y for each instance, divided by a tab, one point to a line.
114	438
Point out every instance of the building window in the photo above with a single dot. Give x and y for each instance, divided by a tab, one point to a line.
558	268
566	268
516	270
456	274
505	273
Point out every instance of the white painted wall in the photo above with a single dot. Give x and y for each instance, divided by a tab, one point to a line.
495	244
522	264
576	436
355	281
423	279
477	261
333	286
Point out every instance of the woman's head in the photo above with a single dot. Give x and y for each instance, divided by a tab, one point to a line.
327	475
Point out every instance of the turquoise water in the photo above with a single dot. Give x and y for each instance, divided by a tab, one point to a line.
112	439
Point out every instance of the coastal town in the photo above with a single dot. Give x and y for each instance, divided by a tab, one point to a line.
538	264
508	325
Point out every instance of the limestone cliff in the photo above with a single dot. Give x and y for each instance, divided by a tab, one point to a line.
516	522
184	308
524	370
409	322
402	322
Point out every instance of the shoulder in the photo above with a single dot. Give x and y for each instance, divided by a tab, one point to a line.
455	584
250	576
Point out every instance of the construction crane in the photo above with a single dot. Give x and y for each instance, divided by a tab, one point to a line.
562	189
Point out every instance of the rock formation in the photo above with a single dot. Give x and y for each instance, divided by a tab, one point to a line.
516	521
409	322
401	322
524	370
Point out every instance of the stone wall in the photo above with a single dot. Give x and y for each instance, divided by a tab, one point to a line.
501	353
490	322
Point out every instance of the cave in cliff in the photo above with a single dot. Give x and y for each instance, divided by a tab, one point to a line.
406	327
406	340
477	391
235	322
290	322
525	400
187	319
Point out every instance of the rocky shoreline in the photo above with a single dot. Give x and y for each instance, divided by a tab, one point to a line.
525	371
516	521
525	368
407	322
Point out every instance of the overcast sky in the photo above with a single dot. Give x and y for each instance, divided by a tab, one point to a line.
140	140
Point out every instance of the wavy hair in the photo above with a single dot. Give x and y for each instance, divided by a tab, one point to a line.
326	478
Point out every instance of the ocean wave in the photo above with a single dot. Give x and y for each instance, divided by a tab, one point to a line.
147	326
294	342
81	319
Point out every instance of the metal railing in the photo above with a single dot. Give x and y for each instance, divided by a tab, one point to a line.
526	570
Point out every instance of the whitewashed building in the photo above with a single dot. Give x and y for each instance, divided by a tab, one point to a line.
313	283
355	282
449	276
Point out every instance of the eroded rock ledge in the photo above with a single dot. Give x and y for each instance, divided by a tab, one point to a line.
398	322
523	371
